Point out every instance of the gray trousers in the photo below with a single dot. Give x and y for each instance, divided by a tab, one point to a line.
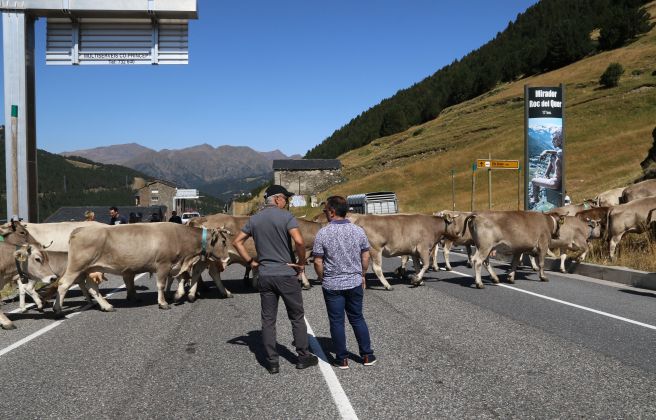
287	287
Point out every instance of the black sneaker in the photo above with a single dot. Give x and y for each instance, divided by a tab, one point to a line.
342	364
307	361
369	360
273	368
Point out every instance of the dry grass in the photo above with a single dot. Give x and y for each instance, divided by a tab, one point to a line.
635	251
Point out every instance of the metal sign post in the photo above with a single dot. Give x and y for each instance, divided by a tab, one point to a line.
490	164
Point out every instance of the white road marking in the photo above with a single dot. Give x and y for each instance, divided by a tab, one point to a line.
56	323
585	308
339	396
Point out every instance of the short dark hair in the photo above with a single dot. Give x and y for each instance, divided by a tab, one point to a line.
114	208
338	204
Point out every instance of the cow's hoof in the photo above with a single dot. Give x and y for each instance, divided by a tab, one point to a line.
165	307
40	309
469	265
191	298
544	279
511	281
480	286
448	269
563	271
307	287
389	288
108	309
8	327
495	281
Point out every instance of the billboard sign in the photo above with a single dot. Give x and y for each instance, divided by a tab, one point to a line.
96	41
544	143
186	193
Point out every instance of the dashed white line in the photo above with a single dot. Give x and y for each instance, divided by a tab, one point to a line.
339	396
574	305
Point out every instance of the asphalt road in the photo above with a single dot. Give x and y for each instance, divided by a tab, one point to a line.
445	349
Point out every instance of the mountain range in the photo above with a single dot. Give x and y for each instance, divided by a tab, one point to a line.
221	171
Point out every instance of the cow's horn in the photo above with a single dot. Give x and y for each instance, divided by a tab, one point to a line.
48	246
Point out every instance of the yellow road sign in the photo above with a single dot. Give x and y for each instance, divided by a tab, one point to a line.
496	164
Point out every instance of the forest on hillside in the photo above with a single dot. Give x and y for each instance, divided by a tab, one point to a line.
549	35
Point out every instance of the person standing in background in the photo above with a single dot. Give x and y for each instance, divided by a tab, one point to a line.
115	217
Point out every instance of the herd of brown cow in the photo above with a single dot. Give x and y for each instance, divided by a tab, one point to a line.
81	252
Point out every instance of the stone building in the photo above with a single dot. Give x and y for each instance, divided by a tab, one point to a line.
307	176
157	193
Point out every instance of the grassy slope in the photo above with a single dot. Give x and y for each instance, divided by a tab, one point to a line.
608	133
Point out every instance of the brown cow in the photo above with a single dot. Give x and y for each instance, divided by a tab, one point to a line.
308	230
640	190
455	223
57	261
609	198
571	209
400	234
511	232
167	249
632	217
20	264
574	235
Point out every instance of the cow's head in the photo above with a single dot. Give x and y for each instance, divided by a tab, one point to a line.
15	233
32	263
219	241
595	228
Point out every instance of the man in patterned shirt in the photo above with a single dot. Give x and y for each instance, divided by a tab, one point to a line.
341	259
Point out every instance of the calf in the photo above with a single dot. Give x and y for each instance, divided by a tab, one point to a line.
26	262
57	261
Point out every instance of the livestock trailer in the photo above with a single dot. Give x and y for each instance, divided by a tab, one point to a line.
383	202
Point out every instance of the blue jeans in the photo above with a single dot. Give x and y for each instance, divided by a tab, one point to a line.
349	301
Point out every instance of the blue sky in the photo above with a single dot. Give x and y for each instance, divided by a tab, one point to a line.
268	75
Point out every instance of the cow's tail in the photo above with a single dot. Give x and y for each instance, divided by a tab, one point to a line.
468	220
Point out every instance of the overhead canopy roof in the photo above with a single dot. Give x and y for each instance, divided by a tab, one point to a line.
169	9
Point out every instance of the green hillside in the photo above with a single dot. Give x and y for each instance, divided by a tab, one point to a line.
608	134
548	35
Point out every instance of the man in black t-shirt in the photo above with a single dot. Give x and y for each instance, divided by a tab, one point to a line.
175	218
115	218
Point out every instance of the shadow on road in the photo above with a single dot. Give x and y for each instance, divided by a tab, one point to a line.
254	342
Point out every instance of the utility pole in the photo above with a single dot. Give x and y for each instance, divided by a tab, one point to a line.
489	183
473	186
453	188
